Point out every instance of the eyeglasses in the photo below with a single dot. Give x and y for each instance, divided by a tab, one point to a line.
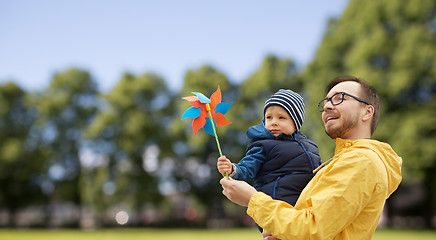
337	99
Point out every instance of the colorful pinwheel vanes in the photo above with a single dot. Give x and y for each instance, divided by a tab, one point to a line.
204	111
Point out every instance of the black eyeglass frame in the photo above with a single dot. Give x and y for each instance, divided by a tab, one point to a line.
323	102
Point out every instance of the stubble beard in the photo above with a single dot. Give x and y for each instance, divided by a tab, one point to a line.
341	131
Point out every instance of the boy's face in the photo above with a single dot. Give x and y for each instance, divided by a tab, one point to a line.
278	121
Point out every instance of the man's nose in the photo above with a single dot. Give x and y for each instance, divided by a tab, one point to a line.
328	105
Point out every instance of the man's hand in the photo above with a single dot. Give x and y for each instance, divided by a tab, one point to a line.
267	236
236	191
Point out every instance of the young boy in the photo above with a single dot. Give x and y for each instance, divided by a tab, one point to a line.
279	158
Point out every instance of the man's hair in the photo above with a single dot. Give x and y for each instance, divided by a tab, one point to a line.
368	94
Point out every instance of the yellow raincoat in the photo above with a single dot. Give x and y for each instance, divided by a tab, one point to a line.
344	200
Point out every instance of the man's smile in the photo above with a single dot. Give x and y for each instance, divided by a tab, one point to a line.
330	117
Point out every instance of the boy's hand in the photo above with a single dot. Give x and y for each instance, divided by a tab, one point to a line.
224	165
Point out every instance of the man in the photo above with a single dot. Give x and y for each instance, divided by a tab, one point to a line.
345	199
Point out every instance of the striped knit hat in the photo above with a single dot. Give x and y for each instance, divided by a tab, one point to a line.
292	102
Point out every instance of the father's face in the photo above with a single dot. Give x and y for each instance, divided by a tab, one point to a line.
340	121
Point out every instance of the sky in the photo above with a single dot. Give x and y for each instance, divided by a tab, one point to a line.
108	38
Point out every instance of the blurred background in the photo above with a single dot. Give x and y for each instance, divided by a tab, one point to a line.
90	101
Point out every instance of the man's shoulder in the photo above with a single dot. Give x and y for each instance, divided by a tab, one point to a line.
359	157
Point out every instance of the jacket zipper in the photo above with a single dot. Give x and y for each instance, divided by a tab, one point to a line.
275	187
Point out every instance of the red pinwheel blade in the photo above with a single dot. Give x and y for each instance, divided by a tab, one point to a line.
216	97
198	123
220	120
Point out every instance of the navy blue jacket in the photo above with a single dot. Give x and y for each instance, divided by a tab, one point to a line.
280	166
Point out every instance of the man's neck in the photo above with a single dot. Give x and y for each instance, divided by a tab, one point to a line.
357	134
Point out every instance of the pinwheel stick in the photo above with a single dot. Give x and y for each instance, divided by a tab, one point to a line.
214	131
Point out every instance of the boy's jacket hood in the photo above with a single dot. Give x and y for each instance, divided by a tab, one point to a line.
260	132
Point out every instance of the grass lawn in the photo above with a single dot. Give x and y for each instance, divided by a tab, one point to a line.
181	234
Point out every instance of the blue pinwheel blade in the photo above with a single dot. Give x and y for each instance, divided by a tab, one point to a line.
201	97
208	127
192	112
223	107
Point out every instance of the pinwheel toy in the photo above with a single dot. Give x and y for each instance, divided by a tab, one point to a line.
207	113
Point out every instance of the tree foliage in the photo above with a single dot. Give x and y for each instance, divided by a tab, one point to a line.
21	161
135	115
64	110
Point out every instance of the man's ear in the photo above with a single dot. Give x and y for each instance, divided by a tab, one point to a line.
369	113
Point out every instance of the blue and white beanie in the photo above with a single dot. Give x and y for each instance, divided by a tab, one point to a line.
292	102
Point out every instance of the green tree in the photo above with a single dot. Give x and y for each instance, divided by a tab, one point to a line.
392	45
21	162
135	116
64	110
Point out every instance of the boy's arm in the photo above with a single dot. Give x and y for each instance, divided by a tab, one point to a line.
249	165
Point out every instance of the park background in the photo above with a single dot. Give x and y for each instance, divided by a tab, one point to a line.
76	155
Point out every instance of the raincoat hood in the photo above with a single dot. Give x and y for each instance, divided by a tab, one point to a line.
391	161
